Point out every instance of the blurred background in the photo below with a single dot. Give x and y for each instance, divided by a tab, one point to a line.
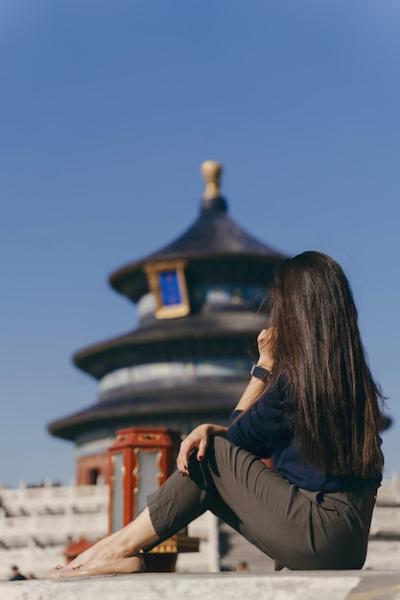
107	110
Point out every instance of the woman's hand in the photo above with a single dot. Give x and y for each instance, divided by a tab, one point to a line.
266	359
198	438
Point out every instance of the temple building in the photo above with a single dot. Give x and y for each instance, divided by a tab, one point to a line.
200	307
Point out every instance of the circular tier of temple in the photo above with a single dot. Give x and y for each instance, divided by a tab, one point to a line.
198	301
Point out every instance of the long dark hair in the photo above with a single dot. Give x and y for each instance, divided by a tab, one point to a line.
316	342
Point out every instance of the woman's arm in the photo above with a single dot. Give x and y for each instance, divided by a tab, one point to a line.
199	436
264	425
253	391
256	387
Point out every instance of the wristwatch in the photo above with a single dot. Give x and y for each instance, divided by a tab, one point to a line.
260	373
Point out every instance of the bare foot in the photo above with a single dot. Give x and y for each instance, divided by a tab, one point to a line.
132	564
88	554
104	551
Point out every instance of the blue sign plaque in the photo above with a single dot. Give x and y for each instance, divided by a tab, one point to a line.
170	290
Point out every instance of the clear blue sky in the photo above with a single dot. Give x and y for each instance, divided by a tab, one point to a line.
107	110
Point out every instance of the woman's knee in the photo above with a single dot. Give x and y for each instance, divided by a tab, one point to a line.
214	454
220	457
217	444
221	454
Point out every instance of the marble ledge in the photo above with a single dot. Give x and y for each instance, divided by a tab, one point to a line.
283	585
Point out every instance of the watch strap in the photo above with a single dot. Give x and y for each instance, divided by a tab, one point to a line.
261	373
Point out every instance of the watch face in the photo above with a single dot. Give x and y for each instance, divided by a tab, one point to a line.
261	373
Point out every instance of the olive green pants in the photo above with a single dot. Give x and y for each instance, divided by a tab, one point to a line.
299	529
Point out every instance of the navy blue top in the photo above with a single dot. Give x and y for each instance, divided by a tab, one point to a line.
265	430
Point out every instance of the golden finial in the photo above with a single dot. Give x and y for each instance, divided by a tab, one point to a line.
211	171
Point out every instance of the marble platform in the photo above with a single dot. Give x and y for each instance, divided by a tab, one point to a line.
283	585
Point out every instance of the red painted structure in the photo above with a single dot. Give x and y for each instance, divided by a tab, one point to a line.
131	442
125	456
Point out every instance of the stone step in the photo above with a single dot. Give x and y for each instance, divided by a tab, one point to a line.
294	585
